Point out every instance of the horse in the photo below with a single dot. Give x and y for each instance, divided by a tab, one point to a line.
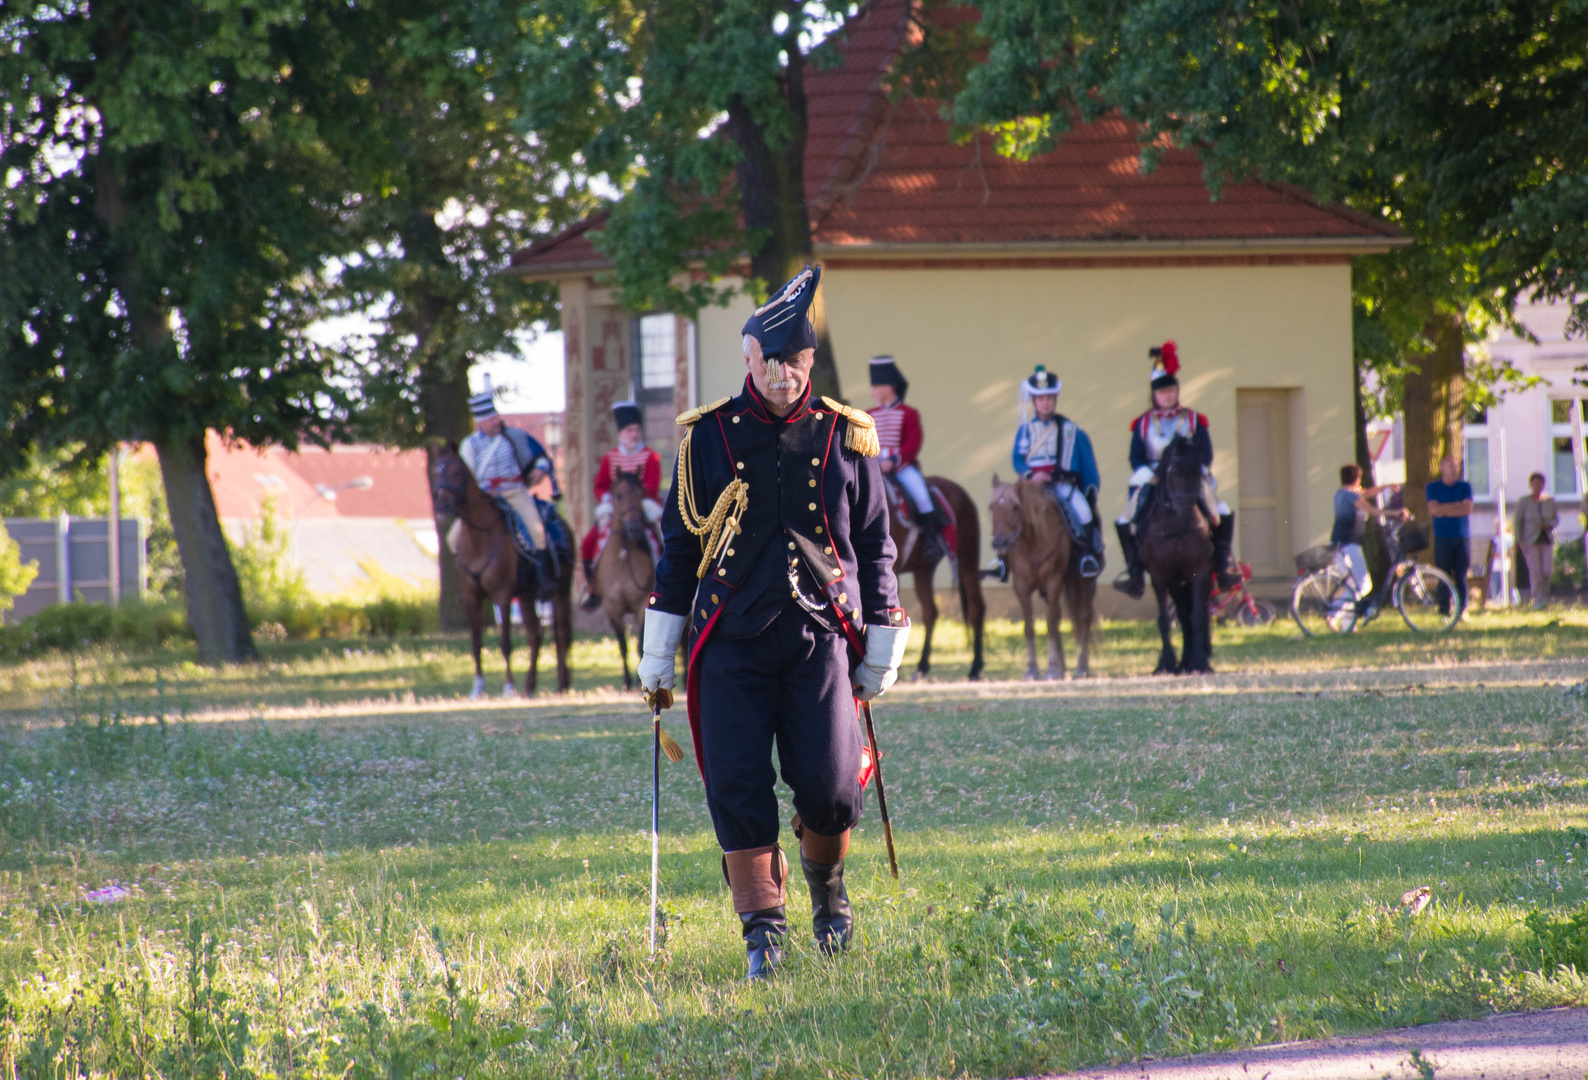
1030	535
915	558
626	569
1176	548
492	568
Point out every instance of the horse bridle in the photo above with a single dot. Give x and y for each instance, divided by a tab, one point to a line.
1178	499
461	494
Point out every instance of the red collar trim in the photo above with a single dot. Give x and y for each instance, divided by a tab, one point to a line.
761	407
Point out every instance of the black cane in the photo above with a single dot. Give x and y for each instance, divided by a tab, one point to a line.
882	794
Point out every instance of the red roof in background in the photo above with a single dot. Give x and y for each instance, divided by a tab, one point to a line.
242	477
880	172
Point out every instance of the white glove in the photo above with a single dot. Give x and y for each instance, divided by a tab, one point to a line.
884	653
1141	476
663	632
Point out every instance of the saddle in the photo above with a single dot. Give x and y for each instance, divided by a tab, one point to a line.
545	564
900	506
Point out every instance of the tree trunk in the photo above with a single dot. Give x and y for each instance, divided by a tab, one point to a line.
1433	404
772	197
443	393
214	598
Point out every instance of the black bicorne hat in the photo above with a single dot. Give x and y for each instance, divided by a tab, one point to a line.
885	372
625	413
782	325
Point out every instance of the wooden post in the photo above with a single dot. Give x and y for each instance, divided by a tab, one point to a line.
114	534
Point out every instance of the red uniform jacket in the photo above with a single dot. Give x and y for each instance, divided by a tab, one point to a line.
644	463
899	432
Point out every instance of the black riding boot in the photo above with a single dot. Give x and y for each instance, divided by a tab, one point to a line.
1132	582
931	524
831	917
1224	568
763	940
592	599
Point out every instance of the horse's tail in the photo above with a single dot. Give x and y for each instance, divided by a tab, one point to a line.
968	556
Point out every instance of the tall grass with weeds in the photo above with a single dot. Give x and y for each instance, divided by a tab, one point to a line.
1085	879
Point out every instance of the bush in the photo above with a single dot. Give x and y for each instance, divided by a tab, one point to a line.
68	627
1569	572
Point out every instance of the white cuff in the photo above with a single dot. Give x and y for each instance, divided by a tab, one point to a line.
663	632
1141	476
885	645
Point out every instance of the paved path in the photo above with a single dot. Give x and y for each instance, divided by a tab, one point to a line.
1549	1045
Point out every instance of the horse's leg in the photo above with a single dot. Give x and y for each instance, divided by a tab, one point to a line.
532	638
1054	595
1200	645
973	607
928	602
1023	591
562	631
1182	607
505	612
1167	661
1082	594
472	603
621	633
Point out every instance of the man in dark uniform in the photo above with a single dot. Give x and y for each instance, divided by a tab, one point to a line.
776	556
1150	435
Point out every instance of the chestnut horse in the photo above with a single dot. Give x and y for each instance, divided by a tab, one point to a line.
626	569
1030	535
922	563
493	569
1176	545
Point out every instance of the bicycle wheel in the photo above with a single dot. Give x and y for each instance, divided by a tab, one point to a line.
1255	612
1324	602
1419	596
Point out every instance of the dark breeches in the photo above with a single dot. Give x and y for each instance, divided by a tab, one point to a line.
789	687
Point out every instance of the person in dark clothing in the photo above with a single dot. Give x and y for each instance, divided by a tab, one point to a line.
1450	504
776	556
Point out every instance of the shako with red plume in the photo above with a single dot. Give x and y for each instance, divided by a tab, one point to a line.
1165	365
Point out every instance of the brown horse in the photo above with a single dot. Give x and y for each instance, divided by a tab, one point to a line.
915	558
492	569
1176	545
625	569
1030	535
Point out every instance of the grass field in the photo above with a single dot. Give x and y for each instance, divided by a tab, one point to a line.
385	886
170	681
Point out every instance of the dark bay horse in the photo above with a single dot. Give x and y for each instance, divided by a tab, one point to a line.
914	558
1030	535
625	569
493	569
1176	545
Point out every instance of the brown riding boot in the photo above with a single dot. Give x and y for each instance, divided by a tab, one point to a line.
592	599
822	863
755	877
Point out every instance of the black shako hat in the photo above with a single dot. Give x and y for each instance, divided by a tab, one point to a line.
625	413
782	325
1165	365
885	372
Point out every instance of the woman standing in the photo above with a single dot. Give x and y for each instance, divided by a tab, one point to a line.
1533	525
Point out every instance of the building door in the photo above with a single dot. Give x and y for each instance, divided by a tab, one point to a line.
1262	421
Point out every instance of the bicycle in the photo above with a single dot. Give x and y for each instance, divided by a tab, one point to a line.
1239	606
1325	600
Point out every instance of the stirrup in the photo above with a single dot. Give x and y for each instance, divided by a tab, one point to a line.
1089	567
1133	585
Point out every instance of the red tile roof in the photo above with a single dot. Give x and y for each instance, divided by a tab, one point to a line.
886	173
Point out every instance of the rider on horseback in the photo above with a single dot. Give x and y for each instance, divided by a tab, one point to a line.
1053	449
506	462
1150	434
899	432
631	456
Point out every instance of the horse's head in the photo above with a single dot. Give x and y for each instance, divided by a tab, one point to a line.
1006	516
1180	465
449	480
628	507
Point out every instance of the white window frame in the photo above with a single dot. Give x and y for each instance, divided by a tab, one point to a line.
1555	431
1474	433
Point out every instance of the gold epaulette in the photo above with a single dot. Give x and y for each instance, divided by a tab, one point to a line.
862	434
687	418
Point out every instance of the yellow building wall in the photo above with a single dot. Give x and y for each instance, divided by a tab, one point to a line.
965	337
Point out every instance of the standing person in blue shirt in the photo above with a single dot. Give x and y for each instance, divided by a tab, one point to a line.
1052	448
1450	504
